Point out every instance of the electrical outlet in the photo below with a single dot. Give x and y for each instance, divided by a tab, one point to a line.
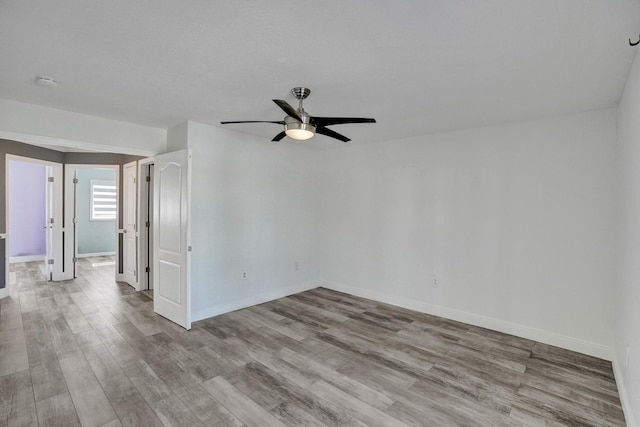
435	281
244	275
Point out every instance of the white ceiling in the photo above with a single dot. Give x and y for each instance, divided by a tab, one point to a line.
418	67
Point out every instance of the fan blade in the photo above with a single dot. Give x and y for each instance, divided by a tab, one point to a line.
327	121
328	132
288	109
279	136
253	121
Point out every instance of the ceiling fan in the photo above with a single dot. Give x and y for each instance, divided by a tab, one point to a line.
299	125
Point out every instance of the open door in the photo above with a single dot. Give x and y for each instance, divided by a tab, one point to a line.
4	270
52	224
171	236
55	265
130	227
50	221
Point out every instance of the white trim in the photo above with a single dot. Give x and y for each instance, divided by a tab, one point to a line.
71	145
4	292
547	337
624	395
26	258
95	254
253	300
132	280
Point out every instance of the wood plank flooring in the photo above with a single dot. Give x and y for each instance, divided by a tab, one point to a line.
92	352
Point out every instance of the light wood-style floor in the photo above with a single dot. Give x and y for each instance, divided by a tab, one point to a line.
92	352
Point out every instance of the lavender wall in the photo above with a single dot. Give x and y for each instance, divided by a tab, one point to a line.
27	196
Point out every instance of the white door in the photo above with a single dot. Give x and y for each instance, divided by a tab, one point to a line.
49	221
171	239
4	266
130	228
55	267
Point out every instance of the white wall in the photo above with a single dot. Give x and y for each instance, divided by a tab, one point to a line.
516	220
254	210
35	124
627	306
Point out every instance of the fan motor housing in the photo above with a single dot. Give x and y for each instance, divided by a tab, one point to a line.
301	92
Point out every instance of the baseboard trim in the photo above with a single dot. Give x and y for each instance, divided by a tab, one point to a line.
622	392
253	300
547	337
95	254
26	258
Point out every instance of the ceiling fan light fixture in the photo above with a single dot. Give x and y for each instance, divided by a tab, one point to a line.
299	131
299	125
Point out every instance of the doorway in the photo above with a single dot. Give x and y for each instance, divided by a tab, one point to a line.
145	212
35	229
165	248
92	212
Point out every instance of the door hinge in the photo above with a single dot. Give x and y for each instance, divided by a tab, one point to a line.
75	259
148	178
50	220
75	180
50	179
146	269
134	179
189	248
147	224
50	261
75	220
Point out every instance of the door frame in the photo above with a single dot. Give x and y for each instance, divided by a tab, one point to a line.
145	222
71	244
4	292
134	280
60	272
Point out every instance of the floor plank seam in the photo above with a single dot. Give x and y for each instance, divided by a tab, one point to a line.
96	352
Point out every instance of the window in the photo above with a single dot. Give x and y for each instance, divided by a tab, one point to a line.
103	200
